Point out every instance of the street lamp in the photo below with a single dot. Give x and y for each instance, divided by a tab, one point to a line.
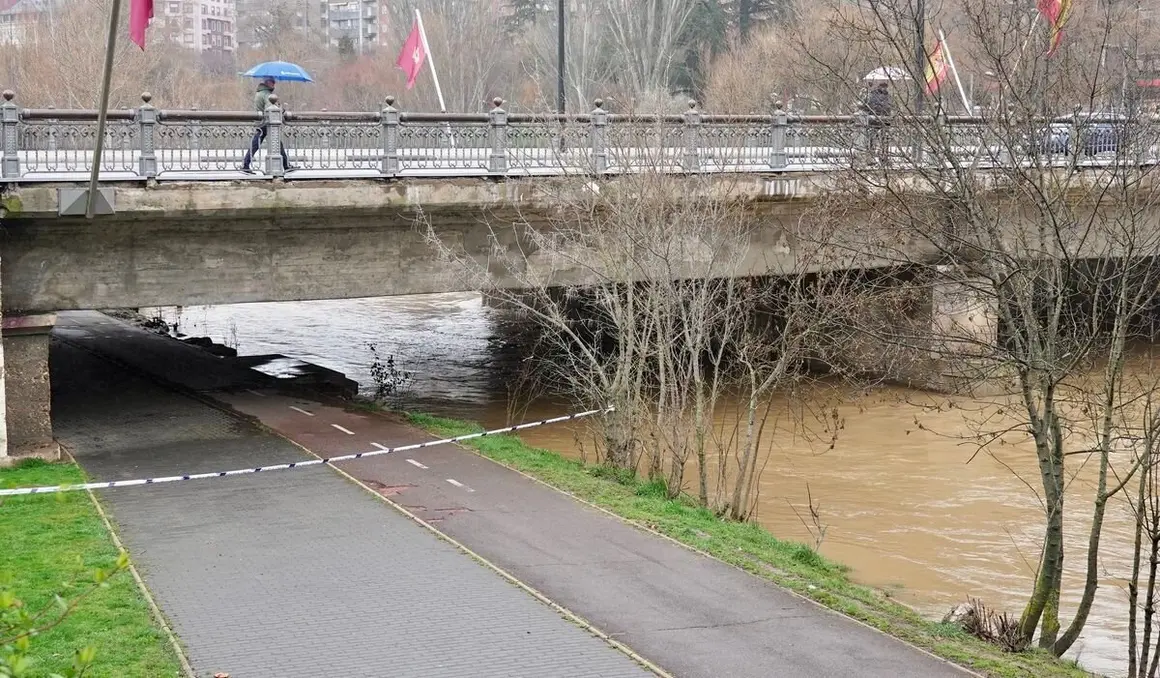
560	98
919	55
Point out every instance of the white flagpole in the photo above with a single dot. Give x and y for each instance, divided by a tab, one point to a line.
430	60
103	108
955	72
1030	32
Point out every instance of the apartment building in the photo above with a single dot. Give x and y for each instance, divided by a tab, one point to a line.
260	19
21	19
356	21
205	26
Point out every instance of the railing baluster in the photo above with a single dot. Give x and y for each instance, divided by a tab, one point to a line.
497	161
691	161
599	138
777	157
274	165
9	122
147	121
390	138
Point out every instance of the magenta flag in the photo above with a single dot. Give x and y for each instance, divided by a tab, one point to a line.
140	12
412	57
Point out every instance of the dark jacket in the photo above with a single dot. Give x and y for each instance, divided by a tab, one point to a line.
878	102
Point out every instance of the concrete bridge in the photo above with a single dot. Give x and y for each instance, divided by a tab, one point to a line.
181	224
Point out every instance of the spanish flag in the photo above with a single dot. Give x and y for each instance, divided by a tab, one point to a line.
936	68
1056	13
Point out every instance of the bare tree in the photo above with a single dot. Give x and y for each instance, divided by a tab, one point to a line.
650	294
589	68
1143	634
1034	224
646	36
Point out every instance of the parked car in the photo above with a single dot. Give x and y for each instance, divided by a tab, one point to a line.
1094	139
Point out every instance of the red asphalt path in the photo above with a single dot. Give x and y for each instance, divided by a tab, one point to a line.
692	615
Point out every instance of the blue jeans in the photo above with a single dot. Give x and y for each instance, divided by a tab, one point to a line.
256	143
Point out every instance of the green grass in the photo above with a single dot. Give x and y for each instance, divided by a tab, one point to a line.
50	541
751	547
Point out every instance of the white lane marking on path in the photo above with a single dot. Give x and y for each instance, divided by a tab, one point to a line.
380	446
299	409
459	484
412	462
343	429
260	395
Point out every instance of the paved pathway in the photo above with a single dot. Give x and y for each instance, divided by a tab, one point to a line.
692	615
302	574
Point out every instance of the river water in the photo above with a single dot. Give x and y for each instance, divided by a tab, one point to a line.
903	502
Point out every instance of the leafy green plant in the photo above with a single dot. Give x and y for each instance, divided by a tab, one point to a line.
20	625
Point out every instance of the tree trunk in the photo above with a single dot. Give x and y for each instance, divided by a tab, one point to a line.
743	467
699	440
1134	651
1052	552
1049	626
1153	566
1091	580
744	18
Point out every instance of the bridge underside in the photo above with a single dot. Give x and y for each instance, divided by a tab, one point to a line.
187	244
70	264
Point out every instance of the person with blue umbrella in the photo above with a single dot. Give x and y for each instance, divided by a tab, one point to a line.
268	74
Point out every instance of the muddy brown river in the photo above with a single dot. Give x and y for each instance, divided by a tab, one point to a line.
901	504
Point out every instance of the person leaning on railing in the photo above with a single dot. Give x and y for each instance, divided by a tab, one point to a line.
261	102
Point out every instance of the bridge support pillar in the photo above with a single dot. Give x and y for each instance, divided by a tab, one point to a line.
964	332
28	396
938	331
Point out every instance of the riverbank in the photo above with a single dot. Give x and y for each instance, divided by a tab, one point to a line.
751	547
51	539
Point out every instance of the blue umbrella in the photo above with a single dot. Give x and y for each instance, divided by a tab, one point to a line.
279	70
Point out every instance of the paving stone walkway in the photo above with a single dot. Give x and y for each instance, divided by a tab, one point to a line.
303	574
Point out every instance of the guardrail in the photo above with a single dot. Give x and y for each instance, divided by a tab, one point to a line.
150	143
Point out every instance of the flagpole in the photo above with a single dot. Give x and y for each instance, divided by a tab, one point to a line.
1030	32
430	60
954	71
103	110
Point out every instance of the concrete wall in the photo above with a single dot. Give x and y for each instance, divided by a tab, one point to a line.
28	417
200	243
229	242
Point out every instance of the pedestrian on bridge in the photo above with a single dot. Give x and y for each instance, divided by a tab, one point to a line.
880	106
261	102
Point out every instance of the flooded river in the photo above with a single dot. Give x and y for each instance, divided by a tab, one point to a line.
902	505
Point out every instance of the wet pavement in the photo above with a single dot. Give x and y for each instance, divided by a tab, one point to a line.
298	574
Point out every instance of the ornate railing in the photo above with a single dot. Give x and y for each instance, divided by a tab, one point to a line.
150	143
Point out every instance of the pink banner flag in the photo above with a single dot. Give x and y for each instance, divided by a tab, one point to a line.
140	12
412	57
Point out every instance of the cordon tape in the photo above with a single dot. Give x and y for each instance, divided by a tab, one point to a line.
11	492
